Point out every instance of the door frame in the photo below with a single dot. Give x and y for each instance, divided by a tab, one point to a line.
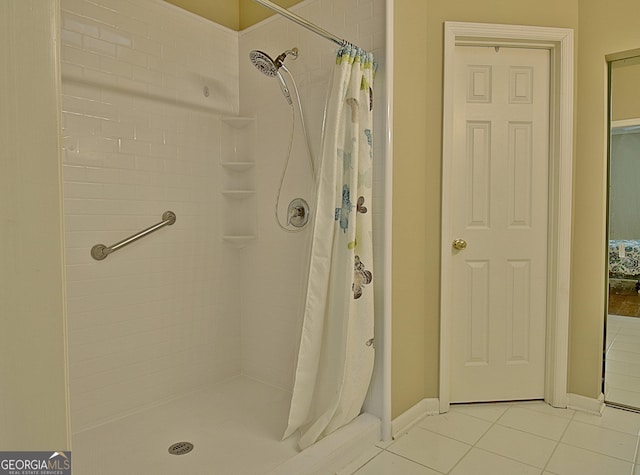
559	42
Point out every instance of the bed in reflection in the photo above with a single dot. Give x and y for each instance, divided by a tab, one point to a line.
624	260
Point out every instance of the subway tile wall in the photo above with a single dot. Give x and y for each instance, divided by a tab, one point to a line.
144	87
275	265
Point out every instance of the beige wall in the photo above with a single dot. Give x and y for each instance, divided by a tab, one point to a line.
605	28
417	174
416	213
35	327
33	367
601	28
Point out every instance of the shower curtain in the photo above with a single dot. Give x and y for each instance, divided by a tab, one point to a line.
336	355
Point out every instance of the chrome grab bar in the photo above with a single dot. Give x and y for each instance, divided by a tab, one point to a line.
100	251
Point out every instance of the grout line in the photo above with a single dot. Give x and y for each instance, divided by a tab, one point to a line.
555	449
492	424
461	458
497	423
634	464
411	460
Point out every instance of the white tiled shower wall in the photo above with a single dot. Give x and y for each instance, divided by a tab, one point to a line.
160	317
181	308
275	266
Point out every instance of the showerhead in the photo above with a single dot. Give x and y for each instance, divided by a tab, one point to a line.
270	67
263	62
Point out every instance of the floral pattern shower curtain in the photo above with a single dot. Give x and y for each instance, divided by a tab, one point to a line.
336	355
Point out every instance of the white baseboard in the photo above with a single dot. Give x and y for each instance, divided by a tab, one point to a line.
406	420
431	407
585	404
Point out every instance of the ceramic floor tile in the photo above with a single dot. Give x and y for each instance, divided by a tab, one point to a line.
626	343
626	335
430	449
623	396
534	422
568	460
614	419
387	463
604	441
620	381
541	406
622	361
629	346
627	322
489	412
618	354
521	446
479	462
456	425
622	367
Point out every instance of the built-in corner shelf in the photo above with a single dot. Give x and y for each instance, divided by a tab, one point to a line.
238	241
238	194
238	122
238	209
238	166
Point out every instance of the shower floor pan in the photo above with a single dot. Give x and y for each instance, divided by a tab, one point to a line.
235	429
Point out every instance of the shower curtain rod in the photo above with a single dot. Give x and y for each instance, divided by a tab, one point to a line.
302	22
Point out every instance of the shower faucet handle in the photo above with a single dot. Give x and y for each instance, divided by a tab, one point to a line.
298	213
295	212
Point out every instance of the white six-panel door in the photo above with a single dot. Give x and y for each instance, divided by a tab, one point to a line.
499	210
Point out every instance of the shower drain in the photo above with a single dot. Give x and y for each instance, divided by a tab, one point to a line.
181	448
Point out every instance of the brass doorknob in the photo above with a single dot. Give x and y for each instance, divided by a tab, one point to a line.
459	244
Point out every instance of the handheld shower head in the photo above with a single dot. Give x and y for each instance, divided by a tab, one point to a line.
269	67
283	86
263	62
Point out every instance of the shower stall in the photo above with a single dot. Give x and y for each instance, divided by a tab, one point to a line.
183	345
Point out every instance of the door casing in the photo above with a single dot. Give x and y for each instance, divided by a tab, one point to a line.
559	42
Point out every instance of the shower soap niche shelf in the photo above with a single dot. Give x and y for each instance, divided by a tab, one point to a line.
238	122
237	139
238	194
238	241
238	166
238	206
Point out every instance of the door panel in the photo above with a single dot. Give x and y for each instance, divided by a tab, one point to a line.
499	197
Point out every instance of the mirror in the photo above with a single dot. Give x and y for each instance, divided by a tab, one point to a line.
622	345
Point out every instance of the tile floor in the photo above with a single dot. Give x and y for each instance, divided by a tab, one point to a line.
517	438
514	438
622	369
